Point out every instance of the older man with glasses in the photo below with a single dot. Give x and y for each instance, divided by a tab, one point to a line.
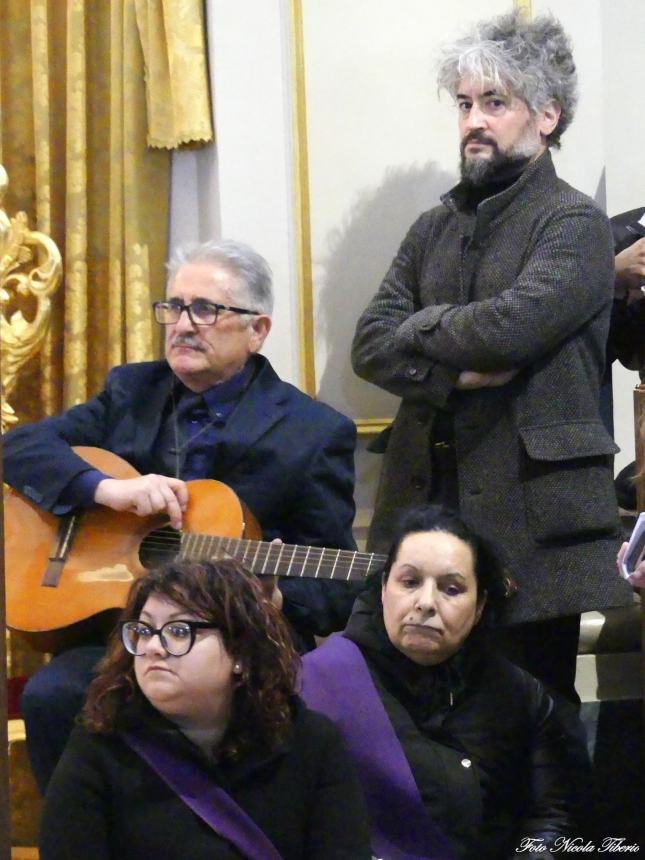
214	408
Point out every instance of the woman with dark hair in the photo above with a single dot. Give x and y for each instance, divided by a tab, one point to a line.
460	752
192	743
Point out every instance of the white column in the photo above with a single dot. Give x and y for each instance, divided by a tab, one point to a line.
241	188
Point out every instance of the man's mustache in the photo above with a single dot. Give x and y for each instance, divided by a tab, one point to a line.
476	137
187	340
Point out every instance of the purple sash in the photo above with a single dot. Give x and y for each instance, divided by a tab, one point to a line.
337	682
207	800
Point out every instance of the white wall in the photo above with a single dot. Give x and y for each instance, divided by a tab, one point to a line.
242	187
581	160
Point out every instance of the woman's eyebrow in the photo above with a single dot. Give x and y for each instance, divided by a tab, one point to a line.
181	613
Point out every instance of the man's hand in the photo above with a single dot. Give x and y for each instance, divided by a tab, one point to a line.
270	588
149	494
471	379
630	268
270	585
637	578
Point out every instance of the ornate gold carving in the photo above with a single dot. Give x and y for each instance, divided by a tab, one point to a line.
30	270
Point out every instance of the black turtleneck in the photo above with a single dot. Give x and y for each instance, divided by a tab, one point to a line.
506	174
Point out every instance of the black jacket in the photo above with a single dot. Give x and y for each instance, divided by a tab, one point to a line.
105	803
288	457
627	331
486	750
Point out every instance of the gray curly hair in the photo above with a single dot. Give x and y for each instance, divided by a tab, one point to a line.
529	59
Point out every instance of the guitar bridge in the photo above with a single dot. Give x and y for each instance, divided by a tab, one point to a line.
67	528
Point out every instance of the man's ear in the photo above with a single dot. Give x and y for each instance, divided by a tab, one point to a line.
261	326
548	118
481	602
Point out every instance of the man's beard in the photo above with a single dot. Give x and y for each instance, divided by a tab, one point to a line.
478	171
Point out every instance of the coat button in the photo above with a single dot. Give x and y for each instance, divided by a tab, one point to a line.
466	762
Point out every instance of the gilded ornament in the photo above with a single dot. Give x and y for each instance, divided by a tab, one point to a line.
30	269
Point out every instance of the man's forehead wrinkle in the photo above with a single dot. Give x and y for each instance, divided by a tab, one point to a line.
485	94
482	80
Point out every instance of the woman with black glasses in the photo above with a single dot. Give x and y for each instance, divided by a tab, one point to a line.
192	742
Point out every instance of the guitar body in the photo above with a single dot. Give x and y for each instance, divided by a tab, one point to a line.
103	557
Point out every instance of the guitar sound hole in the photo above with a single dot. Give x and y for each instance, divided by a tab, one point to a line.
159	546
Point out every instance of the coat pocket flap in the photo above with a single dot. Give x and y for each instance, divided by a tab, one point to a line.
567	441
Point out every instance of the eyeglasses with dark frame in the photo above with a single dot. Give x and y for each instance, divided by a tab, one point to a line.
200	311
177	637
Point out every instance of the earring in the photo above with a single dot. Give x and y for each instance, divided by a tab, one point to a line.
237	669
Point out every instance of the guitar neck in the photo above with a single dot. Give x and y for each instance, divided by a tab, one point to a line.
272	559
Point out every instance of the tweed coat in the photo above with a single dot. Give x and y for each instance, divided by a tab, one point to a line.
523	283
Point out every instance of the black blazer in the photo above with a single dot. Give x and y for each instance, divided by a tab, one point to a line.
626	340
288	457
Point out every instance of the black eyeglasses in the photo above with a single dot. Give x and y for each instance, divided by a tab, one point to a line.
200	312
177	637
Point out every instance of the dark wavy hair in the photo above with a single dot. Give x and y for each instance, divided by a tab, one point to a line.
253	632
493	578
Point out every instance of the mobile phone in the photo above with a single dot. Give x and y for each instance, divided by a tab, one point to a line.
635	548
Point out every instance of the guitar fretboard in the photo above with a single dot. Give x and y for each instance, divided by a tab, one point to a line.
271	559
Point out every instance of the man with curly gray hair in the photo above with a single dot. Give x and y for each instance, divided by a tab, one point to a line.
491	326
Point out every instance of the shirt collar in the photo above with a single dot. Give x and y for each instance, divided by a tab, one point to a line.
230	390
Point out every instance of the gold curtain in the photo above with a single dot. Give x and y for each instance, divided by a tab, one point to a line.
86	88
172	37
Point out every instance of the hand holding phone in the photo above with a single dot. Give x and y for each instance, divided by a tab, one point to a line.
635	551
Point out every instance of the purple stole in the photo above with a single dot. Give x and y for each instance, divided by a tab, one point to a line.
337	682
207	800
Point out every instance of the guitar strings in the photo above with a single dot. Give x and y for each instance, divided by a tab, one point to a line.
288	554
266	547
165	538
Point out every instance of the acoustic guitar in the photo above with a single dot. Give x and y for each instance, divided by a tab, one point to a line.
66	576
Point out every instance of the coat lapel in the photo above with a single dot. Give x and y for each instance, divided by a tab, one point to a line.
148	411
263	405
